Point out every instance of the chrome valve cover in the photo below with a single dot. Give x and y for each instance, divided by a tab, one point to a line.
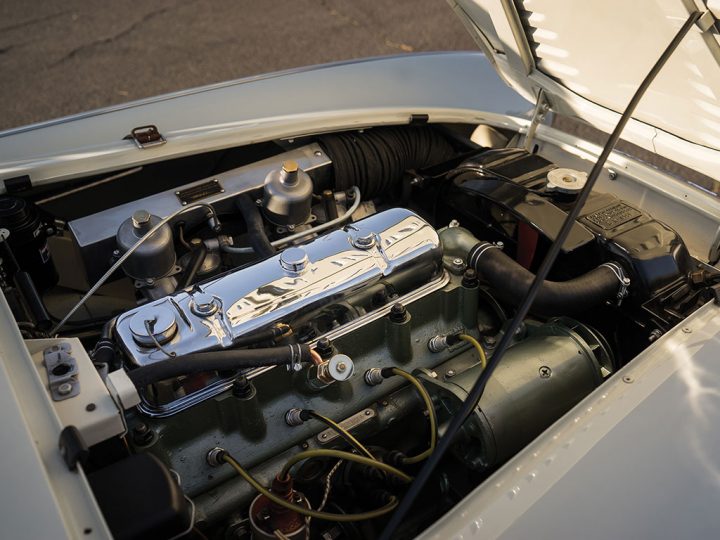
394	243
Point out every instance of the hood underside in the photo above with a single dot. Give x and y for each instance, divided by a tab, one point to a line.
589	58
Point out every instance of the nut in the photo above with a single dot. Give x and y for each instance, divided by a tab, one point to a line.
214	457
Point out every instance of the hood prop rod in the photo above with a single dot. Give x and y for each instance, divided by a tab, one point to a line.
542	107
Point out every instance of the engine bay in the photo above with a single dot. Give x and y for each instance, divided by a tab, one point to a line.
286	328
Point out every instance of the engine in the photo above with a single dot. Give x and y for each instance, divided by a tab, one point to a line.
342	297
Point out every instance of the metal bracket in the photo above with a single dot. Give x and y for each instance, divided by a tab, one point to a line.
622	278
146	137
354	421
542	107
62	372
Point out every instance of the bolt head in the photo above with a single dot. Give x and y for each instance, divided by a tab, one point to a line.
64	389
341	367
140	218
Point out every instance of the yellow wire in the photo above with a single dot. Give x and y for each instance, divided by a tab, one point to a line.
344	433
431	415
318	452
328	516
474	342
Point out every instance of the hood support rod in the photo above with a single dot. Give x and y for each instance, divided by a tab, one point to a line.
542	107
476	392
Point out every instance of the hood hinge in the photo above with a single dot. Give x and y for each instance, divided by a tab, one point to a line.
542	107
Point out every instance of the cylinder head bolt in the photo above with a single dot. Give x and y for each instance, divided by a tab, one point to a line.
287	198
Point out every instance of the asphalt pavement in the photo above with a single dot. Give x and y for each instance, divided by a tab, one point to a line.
63	57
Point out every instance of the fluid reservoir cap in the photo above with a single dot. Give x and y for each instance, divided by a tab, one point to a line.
341	367
294	260
162	324
566	180
203	304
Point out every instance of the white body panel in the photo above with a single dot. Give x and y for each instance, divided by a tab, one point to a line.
593	55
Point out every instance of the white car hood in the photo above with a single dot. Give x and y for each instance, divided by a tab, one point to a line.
590	56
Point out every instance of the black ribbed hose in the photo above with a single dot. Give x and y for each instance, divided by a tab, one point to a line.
253	221
219	361
511	281
376	159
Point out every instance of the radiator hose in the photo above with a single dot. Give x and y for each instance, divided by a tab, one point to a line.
511	281
226	360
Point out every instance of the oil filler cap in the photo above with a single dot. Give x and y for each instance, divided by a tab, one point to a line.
161	323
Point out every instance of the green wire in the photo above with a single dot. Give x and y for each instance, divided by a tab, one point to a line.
328	516
431	415
474	342
317	452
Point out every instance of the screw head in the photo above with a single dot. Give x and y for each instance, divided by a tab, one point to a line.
449	373
64	389
545	372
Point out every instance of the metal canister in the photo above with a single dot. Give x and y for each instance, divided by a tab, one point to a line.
155	257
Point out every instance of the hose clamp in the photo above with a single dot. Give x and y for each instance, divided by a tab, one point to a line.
478	251
295	358
619	273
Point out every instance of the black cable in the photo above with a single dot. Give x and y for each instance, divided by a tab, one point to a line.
193	266
253	221
225	360
477	390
